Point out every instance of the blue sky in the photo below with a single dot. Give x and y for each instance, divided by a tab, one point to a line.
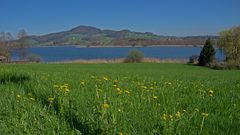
164	17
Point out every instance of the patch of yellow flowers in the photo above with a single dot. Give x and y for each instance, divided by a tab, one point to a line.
170	117
64	88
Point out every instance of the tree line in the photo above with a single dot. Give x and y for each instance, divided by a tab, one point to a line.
229	43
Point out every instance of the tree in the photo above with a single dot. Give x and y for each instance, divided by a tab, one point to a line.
134	56
207	54
6	44
22	44
229	42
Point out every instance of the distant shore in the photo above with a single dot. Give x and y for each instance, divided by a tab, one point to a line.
116	46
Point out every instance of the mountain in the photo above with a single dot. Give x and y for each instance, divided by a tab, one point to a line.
88	36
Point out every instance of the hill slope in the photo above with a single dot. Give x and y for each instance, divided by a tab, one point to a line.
87	35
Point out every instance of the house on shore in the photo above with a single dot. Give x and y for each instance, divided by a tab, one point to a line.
3	58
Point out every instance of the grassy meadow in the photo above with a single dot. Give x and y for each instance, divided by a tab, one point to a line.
121	99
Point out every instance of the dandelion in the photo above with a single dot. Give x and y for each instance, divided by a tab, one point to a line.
55	86
66	90
119	92
164	117
210	93
105	78
115	82
82	83
126	91
105	105
118	89
155	97
204	114
50	99
171	117
178	114
169	83
66	84
18	97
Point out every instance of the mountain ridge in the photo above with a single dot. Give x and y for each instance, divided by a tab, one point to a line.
89	35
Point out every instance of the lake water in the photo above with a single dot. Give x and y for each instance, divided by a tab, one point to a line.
68	53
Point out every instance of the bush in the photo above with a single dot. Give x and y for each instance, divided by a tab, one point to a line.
34	58
223	66
229	42
207	54
134	56
193	59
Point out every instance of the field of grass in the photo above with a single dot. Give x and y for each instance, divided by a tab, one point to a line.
123	99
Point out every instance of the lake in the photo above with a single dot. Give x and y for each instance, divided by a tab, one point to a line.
69	53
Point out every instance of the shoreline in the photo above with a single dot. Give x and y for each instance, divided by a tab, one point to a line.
121	60
116	46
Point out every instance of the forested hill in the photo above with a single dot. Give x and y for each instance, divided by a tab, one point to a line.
91	36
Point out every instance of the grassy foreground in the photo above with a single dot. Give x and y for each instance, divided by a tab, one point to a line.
124	99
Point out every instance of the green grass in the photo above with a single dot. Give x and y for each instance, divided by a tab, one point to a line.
132	99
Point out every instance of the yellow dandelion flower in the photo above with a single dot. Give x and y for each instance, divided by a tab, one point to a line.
18	97
82	83
118	89
120	133
126	91
204	114
164	117
66	90
171	117
178	114
105	78
105	105
50	99
66	84
119	92
155	97
115	82
210	93
55	86
169	83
